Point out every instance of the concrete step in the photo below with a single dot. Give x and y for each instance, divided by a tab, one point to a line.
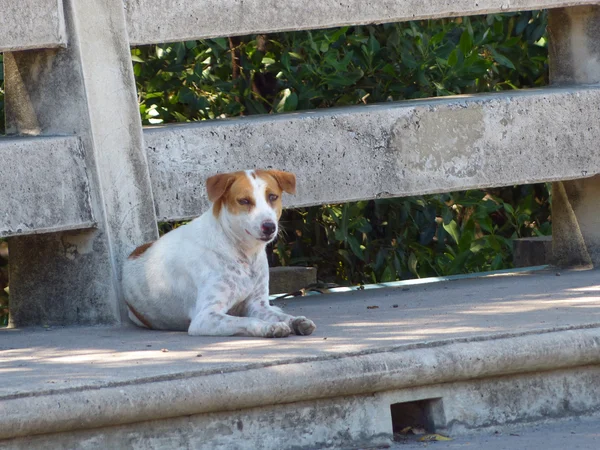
453	356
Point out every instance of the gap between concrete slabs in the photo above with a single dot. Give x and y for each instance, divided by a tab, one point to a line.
305	379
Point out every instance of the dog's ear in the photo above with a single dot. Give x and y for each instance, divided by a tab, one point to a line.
217	185
286	180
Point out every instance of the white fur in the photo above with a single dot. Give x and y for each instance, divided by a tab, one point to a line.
210	277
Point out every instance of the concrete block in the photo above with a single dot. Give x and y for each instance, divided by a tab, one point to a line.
86	90
30	24
393	149
44	186
534	251
575	59
152	21
290	279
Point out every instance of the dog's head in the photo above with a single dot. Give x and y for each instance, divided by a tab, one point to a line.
248	204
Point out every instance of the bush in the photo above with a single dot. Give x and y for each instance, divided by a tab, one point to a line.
200	80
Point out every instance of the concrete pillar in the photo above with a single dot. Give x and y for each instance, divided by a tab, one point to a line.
574	39
87	90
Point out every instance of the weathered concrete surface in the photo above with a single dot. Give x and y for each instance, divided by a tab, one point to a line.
453	332
43	186
487	406
290	279
575	59
533	251
574	47
395	149
30	24
151	21
87	90
351	422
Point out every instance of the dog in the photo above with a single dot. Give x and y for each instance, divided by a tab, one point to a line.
211	276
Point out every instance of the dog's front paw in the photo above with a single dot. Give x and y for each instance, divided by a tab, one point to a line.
277	330
303	326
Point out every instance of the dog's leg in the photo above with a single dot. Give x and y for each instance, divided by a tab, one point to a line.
258	306
221	324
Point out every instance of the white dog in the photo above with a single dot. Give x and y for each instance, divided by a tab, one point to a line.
211	276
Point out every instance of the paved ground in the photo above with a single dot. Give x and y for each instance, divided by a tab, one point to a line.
573	434
39	360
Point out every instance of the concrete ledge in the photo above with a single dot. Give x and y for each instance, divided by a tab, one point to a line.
30	24
152	21
385	150
297	380
43	186
533	251
283	280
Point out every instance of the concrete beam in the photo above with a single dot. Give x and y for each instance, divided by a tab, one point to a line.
43	186
152	21
29	24
394	149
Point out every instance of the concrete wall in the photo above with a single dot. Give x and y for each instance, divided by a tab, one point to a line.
152	21
394	149
43	186
27	24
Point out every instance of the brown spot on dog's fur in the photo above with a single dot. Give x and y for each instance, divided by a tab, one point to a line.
140	250
228	188
285	180
240	189
139	317
277	182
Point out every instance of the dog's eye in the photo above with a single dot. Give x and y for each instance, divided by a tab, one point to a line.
244	201
273	197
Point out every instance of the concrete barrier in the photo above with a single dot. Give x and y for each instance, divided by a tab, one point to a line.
151	21
43	186
31	24
76	80
389	150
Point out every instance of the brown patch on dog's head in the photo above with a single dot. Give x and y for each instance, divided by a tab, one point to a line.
140	250
235	191
231	189
277	182
285	180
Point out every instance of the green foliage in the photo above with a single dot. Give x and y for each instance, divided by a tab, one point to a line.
384	240
190	81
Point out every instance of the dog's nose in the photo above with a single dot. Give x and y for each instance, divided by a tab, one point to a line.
268	228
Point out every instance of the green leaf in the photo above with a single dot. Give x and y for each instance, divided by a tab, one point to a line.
287	102
452	229
466	43
412	265
453	58
355	247
501	59
388	274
